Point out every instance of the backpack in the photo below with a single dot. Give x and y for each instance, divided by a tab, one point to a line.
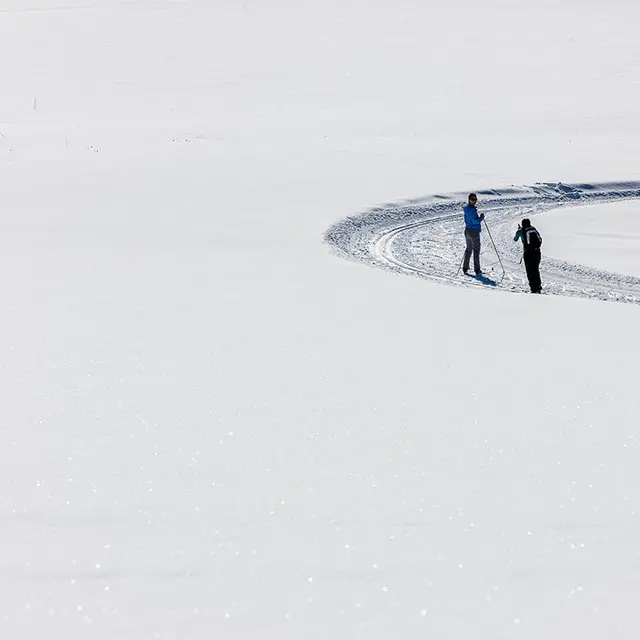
531	239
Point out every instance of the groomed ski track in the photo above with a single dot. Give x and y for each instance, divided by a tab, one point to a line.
423	237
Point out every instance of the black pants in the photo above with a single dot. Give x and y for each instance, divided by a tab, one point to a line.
532	265
472	236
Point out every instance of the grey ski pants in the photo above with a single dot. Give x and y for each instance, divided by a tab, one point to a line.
472	236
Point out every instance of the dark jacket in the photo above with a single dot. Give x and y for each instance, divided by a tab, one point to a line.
531	239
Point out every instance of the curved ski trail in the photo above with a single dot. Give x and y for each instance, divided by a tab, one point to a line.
423	237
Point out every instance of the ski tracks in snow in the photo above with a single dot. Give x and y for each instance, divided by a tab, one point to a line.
423	237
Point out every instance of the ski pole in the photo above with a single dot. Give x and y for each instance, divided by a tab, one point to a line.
494	247
460	265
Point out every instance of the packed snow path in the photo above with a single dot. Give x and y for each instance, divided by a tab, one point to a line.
424	237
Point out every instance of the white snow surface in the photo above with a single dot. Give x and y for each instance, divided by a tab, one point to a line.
605	236
214	427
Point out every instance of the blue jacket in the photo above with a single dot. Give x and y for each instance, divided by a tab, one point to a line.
471	218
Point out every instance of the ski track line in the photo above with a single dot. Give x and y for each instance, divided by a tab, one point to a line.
423	237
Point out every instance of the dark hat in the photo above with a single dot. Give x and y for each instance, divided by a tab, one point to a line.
526	223
472	196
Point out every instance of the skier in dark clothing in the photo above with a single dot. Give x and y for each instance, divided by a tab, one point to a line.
531	243
473	227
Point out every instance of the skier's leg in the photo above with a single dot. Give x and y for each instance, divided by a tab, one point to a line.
530	269
467	251
537	284
476	252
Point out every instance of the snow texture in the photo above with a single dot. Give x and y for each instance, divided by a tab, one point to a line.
214	428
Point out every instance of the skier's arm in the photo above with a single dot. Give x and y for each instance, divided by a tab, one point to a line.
518	235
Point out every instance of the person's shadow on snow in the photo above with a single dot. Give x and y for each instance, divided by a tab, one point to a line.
488	281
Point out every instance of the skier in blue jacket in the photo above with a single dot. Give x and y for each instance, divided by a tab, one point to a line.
472	223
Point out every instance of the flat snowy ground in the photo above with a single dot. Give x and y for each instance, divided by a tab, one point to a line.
603	236
212	427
